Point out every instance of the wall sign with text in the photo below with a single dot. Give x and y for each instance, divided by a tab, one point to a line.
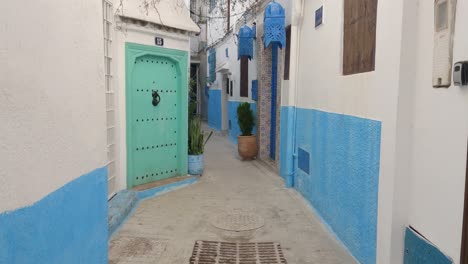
159	41
319	16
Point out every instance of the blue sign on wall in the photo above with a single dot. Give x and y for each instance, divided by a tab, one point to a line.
319	16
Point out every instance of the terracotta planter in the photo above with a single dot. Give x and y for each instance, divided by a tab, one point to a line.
247	147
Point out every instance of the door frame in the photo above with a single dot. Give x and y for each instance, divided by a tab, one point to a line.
180	58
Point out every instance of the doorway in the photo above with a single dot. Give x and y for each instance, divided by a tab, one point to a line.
225	102
156	98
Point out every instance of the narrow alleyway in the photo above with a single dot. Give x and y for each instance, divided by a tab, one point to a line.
164	229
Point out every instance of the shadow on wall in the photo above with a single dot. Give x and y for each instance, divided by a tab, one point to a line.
214	109
67	226
342	177
234	129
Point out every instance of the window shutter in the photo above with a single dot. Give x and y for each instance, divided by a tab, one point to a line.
360	17
287	53
244	77
212	65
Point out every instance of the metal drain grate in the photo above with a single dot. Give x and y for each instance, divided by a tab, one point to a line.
208	252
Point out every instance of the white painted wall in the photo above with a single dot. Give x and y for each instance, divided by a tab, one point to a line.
170	13
52	106
439	135
141	35
424	130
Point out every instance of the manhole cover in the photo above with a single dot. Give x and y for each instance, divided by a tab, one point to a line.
207	252
135	250
238	221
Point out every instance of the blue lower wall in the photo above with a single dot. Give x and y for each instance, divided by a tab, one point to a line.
234	129
419	250
67	226
214	109
287	141
342	186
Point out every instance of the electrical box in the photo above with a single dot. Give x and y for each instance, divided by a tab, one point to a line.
460	73
444	25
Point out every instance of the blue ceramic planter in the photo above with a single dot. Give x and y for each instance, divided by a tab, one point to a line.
195	164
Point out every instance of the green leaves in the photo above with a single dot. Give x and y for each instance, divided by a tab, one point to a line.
245	119
196	142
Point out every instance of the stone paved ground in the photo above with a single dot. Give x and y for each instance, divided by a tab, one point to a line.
164	229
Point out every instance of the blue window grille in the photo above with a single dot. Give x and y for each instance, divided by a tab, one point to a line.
274	21
245	46
255	90
212	65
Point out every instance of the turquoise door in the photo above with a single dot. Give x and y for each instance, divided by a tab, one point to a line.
156	96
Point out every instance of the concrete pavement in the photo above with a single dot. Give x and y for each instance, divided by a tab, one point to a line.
164	229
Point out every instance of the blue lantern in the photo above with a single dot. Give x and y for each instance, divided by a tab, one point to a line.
245	47
274	22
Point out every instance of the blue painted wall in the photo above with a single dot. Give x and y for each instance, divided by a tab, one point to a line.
214	109
286	140
234	129
67	226
342	185
419	250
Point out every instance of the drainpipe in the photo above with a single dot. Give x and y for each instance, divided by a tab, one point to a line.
296	22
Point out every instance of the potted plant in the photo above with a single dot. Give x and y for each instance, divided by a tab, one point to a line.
196	145
247	142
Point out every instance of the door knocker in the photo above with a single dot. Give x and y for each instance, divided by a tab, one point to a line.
156	98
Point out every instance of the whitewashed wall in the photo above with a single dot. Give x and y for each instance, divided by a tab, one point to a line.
424	130
52	106
439	139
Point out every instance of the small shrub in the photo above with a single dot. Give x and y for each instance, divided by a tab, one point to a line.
245	119
196	142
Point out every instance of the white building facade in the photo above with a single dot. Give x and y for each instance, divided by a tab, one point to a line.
380	154
53	194
72	78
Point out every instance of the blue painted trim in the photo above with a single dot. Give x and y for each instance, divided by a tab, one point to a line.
127	208
234	129
214	109
274	78
69	225
419	250
151	193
